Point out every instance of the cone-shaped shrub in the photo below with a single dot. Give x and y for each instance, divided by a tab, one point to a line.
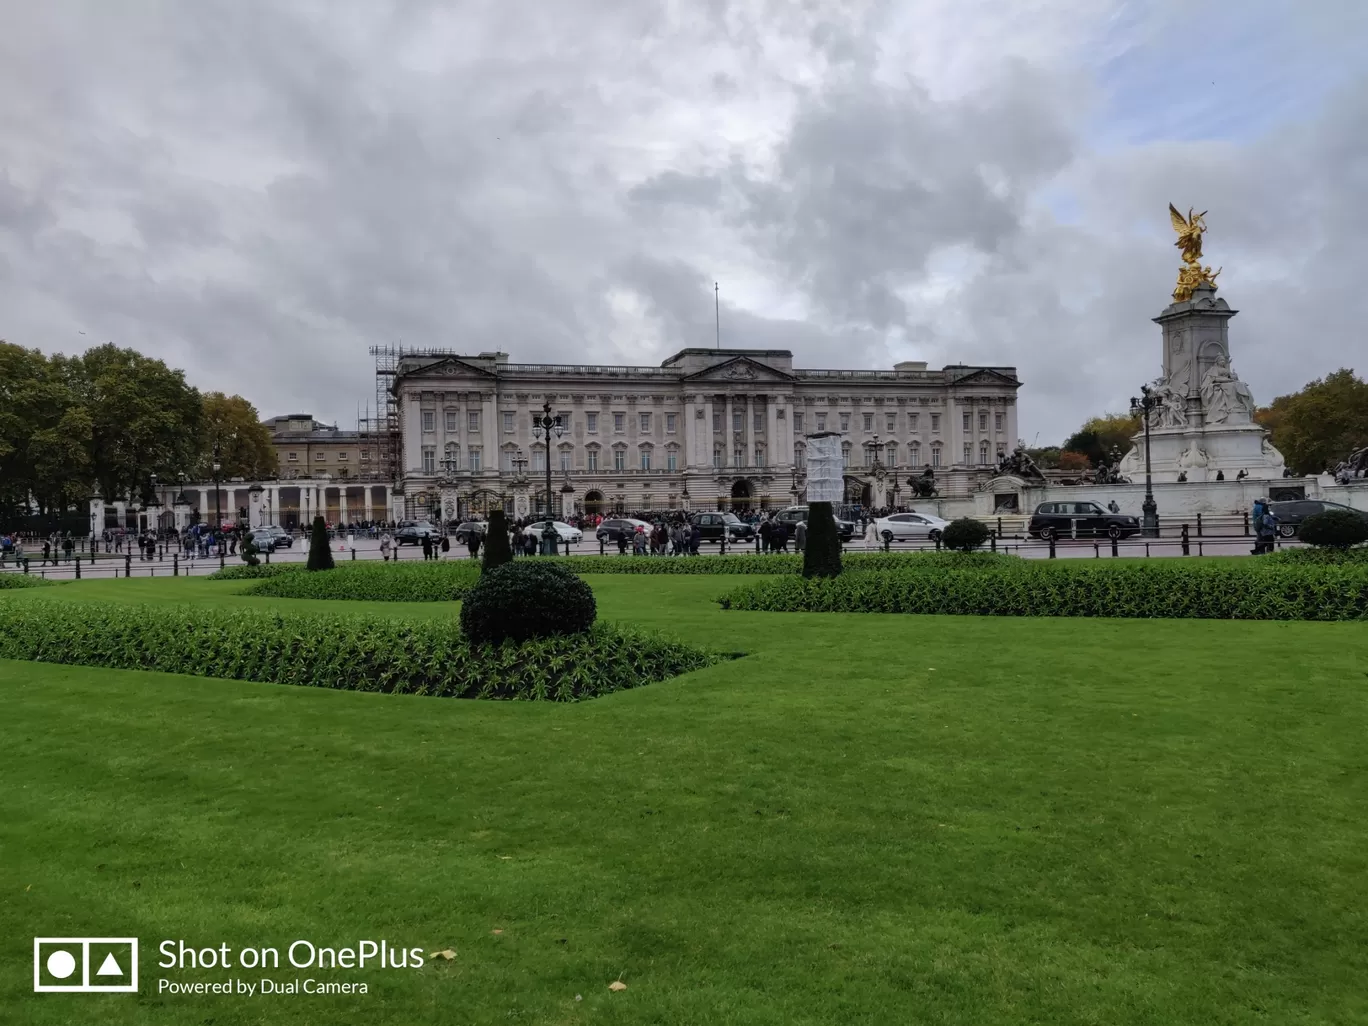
320	555
497	551
822	554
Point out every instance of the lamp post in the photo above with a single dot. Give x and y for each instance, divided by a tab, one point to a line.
1149	507
542	427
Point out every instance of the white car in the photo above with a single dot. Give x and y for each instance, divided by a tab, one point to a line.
565	531
909	527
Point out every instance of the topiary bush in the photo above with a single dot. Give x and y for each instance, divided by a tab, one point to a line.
964	534
529	598
320	553
249	551
822	552
497	550
1335	529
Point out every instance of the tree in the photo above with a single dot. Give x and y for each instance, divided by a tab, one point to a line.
497	550
1074	461
965	534
822	549
1320	425
1100	435
245	442
45	435
320	551
1046	458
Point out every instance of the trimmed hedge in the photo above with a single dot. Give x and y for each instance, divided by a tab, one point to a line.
425	581
345	652
247	573
1218	589
21	580
525	599
1318	556
1335	529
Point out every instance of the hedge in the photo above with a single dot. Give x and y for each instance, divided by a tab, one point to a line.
247	573
1322	556
525	599
345	652
18	580
1217	589
426	581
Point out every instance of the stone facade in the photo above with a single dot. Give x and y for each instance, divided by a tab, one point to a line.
306	448
707	428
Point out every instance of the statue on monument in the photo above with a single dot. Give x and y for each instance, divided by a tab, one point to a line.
1019	464
1224	394
924	485
1192	274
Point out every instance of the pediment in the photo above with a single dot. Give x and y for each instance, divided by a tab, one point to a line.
987	376
740	369
449	367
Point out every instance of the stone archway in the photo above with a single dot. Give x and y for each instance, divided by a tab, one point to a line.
593	502
741	495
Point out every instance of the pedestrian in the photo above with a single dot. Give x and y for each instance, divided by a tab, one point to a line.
386	542
47	551
871	538
473	540
446	545
427	547
800	536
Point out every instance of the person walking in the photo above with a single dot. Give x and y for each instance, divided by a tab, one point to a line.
427	547
386	543
473	540
800	536
446	545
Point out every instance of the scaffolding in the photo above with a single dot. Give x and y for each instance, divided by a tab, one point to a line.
382	434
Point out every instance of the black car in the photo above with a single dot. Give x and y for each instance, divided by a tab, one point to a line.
463	531
1290	514
712	526
413	534
792	516
1058	520
619	527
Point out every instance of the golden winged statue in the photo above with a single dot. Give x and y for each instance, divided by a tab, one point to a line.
1192	274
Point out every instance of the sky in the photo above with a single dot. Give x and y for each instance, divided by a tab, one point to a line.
258	192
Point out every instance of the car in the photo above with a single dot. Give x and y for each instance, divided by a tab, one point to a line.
909	527
793	515
463	531
268	538
413	533
1291	513
564	531
619	527
712	526
1059	520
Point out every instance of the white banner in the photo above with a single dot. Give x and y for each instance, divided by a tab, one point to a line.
825	468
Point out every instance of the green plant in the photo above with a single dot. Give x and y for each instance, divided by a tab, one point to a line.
1335	529
423	581
18	580
1216	589
822	551
320	552
528	598
965	534
497	550
247	573
348	652
1318	555
249	551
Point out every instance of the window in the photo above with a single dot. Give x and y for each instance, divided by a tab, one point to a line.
670	421
619	422
798	420
429	420
717	420
799	456
845	455
912	419
320	456
593	459
475	457
845	422
563	417
892	454
965	418
890	421
997	422
539	459
292	457
451	422
869	422
935	455
645	500
968	458
821	422
983	422
619	459
738	421
473	421
645	459
759	456
671	460
506	460
591	423
758	420
342	456
738	457
365	455
508	421
565	459
983	452
935	422
645	423
429	459
914	454
717	457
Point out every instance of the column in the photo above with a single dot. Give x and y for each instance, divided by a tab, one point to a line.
342	503
774	455
705	434
366	502
489	432
411	459
728	430
750	432
687	432
204	505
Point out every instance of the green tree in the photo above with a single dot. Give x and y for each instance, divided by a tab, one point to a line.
1100	435
320	551
1046	458
1320	425
245	442
45	435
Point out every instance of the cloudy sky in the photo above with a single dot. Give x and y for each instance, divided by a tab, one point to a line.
259	191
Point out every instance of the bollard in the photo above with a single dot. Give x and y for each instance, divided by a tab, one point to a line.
938	541
999	527
1185	540
128	565
268	556
888	541
1199	525
600	538
992	539
1246	523
722	543
175	564
757	543
1199	546
1147	550
26	564
78	568
1097	551
353	555
1114	552
1052	545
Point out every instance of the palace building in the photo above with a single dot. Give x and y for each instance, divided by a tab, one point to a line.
708	428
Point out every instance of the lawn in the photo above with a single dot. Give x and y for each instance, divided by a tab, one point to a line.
869	819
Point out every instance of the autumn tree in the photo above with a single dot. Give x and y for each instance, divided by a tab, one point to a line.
1100	435
244	441
1320	425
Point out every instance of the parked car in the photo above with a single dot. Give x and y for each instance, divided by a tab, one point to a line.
563	530
712	527
909	527
1290	514
463	531
612	530
268	538
1057	520
414	533
791	517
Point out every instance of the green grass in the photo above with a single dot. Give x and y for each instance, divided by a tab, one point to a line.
870	819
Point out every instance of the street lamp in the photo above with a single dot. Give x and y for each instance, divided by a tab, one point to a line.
1149	507
542	427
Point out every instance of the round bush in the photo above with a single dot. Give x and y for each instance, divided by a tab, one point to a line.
527	598
1335	528
965	534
